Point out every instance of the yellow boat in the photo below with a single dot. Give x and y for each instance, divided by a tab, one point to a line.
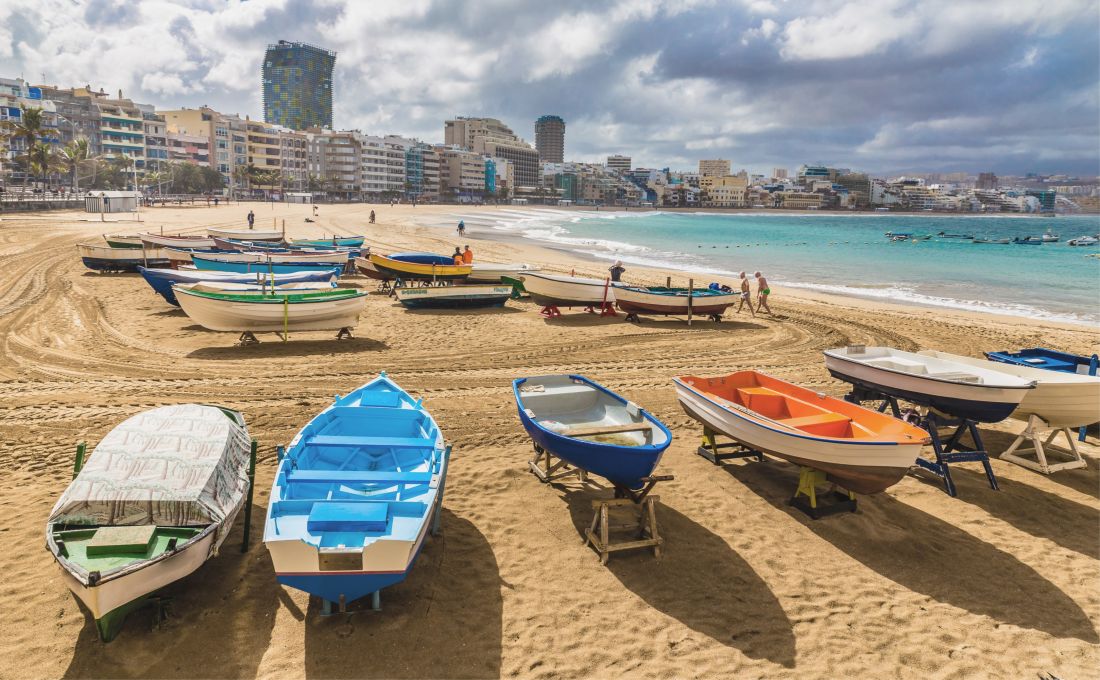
429	268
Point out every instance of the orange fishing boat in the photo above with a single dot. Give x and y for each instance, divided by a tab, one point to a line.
861	450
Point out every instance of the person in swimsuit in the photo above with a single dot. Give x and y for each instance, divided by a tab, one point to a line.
762	293
745	299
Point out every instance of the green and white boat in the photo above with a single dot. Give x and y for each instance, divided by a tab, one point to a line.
152	503
132	241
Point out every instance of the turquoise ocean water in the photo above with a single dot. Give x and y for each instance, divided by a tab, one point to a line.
848	254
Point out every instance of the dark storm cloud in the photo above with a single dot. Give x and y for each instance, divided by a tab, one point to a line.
937	85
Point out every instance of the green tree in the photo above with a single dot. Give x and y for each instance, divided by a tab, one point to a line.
73	157
41	159
29	129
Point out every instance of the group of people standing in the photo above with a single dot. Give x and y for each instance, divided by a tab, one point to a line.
463	256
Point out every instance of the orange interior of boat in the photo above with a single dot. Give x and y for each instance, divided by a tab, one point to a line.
802	409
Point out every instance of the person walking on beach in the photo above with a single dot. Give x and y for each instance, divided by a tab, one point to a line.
762	293
461	228
215	201
372	217
617	270
251	219
468	256
745	295
458	255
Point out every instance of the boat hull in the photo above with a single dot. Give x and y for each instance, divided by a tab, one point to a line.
344	241
262	315
332	259
977	402
454	297
217	264
246	234
491	273
862	467
159	241
565	291
105	258
364	267
623	465
122	241
161	280
415	271
641	301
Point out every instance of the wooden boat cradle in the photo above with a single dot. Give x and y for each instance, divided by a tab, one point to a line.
947	452
1041	447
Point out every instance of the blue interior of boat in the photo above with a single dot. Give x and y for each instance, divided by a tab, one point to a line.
1048	359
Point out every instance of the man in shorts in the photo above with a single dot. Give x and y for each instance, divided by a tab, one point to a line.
762	293
745	299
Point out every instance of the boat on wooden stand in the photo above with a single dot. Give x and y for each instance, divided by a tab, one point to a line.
454	297
245	234
355	495
665	301
336	309
218	263
425	267
177	241
553	291
151	505
108	259
162	280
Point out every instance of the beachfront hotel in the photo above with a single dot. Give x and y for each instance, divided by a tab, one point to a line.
297	85
550	139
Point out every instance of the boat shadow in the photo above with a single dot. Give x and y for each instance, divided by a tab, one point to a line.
219	623
487	311
444	620
293	348
1083	480
699	580
111	275
698	323
927	555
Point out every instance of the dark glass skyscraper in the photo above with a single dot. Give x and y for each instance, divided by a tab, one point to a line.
550	139
297	81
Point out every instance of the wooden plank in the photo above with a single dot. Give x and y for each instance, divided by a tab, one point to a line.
605	429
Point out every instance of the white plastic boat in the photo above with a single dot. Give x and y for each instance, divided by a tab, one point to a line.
1083	241
961	390
335	258
1059	399
320	310
490	272
256	288
151	504
245	234
567	291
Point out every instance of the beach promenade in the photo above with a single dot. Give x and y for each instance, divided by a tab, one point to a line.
916	584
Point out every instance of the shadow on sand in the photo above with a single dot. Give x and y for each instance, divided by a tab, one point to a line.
275	348
480	311
445	620
219	623
699	581
581	319
927	555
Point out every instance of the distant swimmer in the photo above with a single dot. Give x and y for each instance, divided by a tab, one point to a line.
762	293
745	293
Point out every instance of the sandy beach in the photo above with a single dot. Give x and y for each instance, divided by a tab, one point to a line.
915	585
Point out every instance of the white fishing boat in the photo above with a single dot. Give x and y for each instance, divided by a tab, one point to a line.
151	504
122	240
1083	241
957	389
245	234
106	258
489	272
567	291
1049	236
262	288
168	241
454	297
1059	401
673	301
335	309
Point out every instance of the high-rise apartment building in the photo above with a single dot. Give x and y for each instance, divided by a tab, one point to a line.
297	85
493	138
716	168
986	180
550	139
779	173
620	164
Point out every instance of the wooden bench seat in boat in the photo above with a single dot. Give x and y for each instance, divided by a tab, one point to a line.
357	477
605	429
356	440
348	517
816	419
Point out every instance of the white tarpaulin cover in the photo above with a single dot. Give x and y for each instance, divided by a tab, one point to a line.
183	465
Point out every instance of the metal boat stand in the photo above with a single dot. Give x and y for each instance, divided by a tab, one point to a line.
247	338
643	524
342	605
713	451
1040	447
550	466
808	500
344	334
947	452
550	312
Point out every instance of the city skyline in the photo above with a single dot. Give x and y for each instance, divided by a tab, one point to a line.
887	88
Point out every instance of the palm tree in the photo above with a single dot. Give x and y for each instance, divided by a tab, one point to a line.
74	156
41	158
30	128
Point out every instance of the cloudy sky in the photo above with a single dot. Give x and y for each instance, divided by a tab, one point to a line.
881	85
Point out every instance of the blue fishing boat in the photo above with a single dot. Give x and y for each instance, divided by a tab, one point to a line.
213	263
1048	359
590	427
161	280
345	241
1028	241
422	258
355	494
